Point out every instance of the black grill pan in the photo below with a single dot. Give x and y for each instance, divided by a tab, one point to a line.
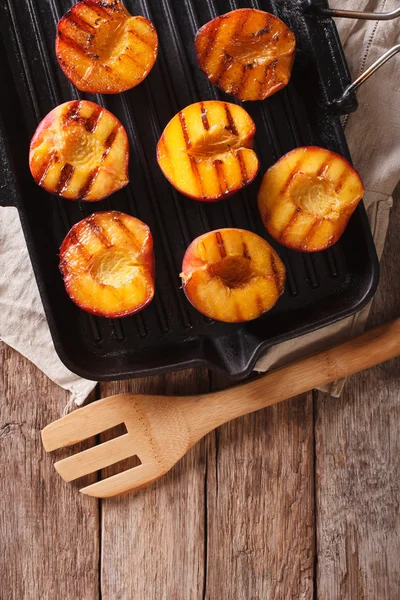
168	335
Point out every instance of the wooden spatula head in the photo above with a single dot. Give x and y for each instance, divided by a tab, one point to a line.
161	429
156	433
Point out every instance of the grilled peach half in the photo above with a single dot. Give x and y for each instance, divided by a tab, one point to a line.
206	151
103	49
232	275
107	263
248	53
307	198
80	151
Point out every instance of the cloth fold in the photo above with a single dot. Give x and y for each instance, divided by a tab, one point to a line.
373	135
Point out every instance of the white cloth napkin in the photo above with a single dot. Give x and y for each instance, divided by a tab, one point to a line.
373	134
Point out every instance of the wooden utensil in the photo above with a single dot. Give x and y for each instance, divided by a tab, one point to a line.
161	429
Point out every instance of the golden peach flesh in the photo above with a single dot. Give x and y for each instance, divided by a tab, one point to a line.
232	275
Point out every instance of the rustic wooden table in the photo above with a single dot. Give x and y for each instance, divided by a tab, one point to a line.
298	501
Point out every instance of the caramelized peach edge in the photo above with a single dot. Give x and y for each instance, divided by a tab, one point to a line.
212	22
333	239
318	150
108	314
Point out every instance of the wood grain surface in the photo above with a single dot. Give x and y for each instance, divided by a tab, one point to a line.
358	467
238	518
260	505
152	542
49	545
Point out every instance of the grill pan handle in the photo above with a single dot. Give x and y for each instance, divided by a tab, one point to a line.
366	75
356	14
339	105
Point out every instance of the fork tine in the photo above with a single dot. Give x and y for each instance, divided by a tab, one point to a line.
86	422
132	479
96	458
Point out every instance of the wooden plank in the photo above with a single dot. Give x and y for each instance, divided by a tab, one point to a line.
153	540
358	469
49	532
260	505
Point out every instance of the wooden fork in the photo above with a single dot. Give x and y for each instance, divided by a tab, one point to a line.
161	429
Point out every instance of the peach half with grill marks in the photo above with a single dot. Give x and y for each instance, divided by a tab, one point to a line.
232	275
206	150
107	262
80	151
248	53
103	49
307	198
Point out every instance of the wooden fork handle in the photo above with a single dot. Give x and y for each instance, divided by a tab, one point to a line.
369	349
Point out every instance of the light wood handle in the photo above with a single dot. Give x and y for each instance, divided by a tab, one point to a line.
369	349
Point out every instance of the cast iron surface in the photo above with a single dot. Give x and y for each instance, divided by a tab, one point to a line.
170	334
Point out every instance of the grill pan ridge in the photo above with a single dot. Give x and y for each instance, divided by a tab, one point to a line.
169	334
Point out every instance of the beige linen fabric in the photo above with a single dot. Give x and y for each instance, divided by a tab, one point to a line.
373	134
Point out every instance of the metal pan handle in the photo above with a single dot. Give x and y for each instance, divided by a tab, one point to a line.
355	14
341	102
367	74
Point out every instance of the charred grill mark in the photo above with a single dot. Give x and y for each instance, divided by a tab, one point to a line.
103	9
85	189
231	123
224	64
133	59
324	167
212	39
310	233
262	31
219	167
81	248
243	21
220	243
204	117
100	12
269	74
185	132
115	5
77	47
195	169
111	139
46	166
292	221
293	172
65	177
108	144
76	21
141	39
275	272
98	231
127	232
244	17
267	27
72	112
245	250
341	181
240	86
227	59
193	161
92	121
243	168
